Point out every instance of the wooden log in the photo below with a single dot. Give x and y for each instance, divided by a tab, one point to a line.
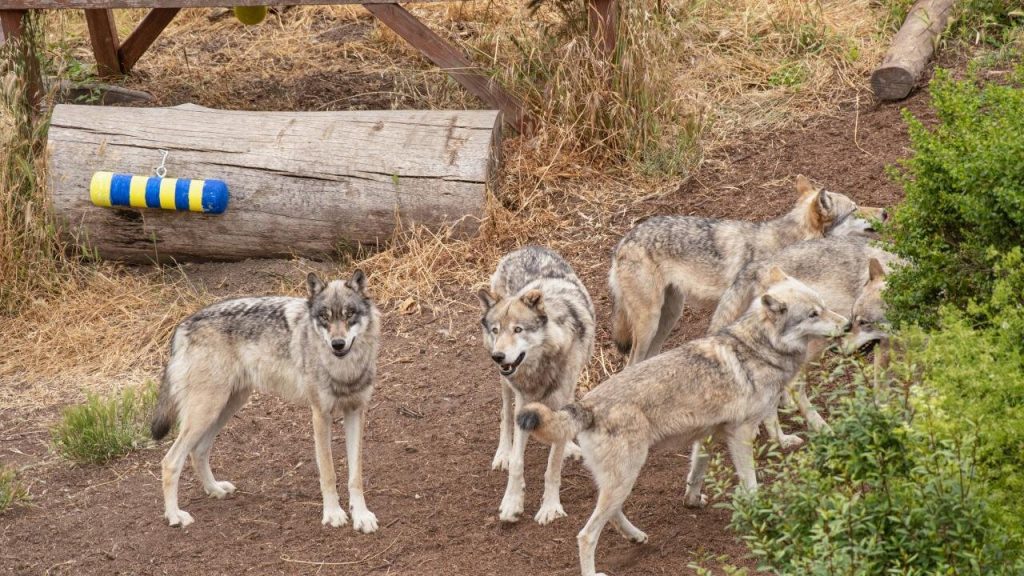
911	49
301	183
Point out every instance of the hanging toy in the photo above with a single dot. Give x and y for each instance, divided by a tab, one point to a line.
109	189
250	15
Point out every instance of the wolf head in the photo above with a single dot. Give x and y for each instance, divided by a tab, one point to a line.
863	222
869	323
340	311
514	328
795	312
821	211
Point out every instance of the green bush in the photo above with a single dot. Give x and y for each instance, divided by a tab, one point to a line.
986	21
964	205
11	491
104	428
878	496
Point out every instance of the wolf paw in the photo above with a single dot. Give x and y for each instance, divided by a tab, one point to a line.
788	441
548	513
179	518
220	489
692	501
817	423
510	509
572	450
501	458
364	521
638	538
334	516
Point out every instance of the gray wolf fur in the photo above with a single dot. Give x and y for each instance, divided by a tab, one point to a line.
665	260
539	326
320	351
722	385
870	326
837	269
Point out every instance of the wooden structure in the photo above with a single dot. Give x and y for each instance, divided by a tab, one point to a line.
911	49
301	183
114	56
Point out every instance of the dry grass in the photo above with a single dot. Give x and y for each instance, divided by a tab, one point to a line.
689	76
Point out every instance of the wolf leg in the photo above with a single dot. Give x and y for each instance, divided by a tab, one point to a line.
671	310
333	514
362	519
775	433
693	498
506	429
512	503
551	505
612	494
201	453
627	529
799	389
199	415
740	440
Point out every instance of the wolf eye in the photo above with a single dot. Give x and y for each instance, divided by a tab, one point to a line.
813	314
517	329
494	330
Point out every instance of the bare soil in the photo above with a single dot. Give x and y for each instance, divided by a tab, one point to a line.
432	429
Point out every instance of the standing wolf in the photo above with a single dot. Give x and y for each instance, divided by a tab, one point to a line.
722	385
320	351
666	259
837	269
538	325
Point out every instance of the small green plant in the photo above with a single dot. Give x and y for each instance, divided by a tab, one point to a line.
11	491
105	427
788	75
964	205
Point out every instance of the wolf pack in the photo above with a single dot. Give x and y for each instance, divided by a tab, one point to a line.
786	289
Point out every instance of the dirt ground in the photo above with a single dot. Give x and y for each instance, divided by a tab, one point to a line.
432	429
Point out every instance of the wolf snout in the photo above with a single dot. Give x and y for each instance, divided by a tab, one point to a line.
848	326
338	347
498	357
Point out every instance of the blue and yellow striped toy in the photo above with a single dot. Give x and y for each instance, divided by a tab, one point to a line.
109	189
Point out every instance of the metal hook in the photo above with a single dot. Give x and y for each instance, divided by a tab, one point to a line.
161	170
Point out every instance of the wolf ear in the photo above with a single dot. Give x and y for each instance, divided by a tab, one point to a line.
803	185
534	299
487	298
875	270
824	202
773	304
314	284
357	282
776	275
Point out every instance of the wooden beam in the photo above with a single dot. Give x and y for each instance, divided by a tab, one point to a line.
10	24
116	4
12	28
103	33
602	16
449	59
136	44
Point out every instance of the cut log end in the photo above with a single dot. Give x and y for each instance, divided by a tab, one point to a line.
892	83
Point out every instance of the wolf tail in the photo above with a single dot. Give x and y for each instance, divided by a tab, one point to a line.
551	426
166	411
622	330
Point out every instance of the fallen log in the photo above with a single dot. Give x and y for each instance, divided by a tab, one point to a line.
300	183
911	49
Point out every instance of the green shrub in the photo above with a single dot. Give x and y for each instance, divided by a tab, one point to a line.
878	496
11	491
104	428
986	21
964	205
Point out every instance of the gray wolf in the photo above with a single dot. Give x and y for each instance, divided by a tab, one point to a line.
837	269
722	385
665	260
870	326
320	351
539	326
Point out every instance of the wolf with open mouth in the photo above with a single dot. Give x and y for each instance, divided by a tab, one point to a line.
538	326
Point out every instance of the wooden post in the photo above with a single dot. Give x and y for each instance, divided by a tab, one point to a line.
12	29
103	32
136	44
911	49
602	16
449	59
10	24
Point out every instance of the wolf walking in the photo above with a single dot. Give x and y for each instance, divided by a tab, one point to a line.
320	351
722	385
667	259
538	325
